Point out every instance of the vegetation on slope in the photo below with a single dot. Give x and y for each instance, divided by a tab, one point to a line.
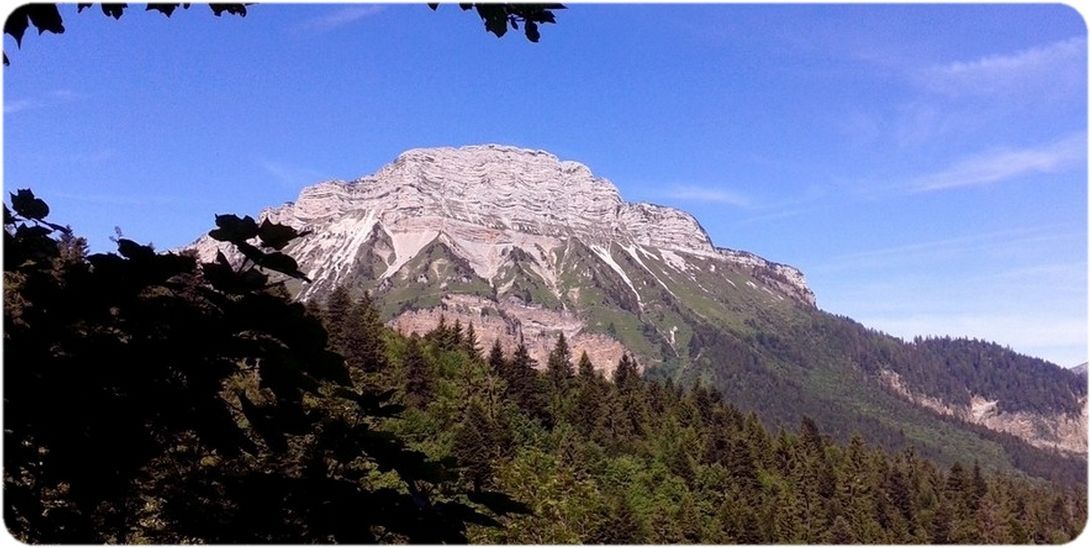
150	398
629	460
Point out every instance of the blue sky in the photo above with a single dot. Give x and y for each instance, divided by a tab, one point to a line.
925	166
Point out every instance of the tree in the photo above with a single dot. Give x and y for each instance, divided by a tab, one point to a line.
469	343
475	444
196	397
362	337
559	367
418	377
496	17
496	361
522	380
338	309
587	412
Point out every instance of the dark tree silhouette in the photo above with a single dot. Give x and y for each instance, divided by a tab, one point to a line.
497	17
140	376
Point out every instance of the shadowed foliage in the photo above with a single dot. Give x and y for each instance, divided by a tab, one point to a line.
151	397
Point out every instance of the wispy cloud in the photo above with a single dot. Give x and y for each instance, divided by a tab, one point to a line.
1008	163
19	105
340	17
964	245
289	175
709	194
51	98
120	200
1056	66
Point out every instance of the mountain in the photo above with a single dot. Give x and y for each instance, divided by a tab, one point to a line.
1081	369
526	246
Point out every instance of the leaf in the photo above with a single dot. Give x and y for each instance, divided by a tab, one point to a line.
233	9
233	229
27	206
284	264
114	10
44	17
134	251
17	24
165	9
276	235
531	31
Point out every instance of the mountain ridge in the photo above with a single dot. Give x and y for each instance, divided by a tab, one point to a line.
572	201
527	246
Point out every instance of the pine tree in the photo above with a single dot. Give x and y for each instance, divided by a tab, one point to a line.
496	361
475	444
338	307
522	382
71	249
585	369
621	526
454	336
362	336
559	366
625	375
469	343
629	400
418	377
841	533
994	517
588	409
977	487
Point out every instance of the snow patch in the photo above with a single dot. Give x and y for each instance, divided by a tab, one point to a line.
675	261
605	256
632	251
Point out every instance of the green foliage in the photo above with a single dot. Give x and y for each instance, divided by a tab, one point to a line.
647	462
262	433
150	398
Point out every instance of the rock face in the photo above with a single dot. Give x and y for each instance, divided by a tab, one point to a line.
1062	431
521	231
485	201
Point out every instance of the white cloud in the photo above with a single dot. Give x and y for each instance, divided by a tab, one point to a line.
340	17
1058	67
51	98
11	107
713	195
1004	164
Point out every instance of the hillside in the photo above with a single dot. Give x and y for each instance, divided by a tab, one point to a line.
526	246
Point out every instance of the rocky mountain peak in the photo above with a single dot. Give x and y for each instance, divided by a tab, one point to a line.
504	187
486	200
